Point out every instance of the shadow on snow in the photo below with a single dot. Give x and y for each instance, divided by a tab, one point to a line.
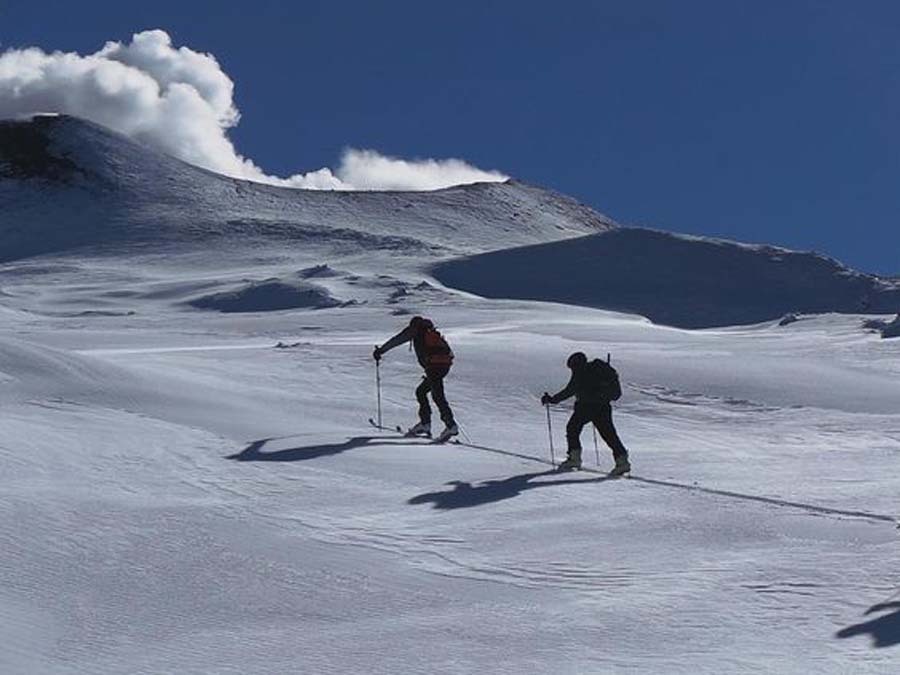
253	452
464	494
885	629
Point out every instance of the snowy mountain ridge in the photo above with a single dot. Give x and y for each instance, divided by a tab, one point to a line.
109	190
67	184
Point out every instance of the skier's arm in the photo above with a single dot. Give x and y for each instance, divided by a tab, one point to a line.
400	338
568	392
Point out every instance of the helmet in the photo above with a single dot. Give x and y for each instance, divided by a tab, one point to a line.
576	360
418	323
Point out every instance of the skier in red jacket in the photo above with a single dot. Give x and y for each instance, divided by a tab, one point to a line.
436	357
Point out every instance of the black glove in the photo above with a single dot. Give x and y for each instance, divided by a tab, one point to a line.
546	399
377	354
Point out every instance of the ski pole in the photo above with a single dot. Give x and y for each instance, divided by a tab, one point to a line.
378	388
593	428
550	432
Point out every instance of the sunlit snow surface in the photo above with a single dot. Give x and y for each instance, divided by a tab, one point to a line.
188	490
179	495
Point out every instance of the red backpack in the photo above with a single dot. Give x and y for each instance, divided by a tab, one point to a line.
436	350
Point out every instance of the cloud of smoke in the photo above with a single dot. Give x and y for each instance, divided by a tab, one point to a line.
182	102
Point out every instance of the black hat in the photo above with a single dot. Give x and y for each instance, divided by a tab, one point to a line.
576	360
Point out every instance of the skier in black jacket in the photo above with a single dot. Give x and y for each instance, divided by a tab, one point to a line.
593	384
436	357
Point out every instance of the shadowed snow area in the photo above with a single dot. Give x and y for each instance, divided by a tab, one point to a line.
267	296
200	491
673	279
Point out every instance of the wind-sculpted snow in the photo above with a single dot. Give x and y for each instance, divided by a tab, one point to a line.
688	282
267	296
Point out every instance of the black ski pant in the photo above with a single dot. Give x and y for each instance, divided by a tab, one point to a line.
600	414
433	383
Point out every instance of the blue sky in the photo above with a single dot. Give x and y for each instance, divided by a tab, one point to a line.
769	122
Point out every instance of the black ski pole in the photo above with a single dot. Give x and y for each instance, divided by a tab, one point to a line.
550	432
378	387
593	428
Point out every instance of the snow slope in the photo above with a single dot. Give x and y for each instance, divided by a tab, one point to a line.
192	490
90	187
677	280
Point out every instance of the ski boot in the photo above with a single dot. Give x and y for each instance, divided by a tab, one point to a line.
422	429
572	463
622	466
449	432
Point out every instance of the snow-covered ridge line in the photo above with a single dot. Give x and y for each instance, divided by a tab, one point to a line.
67	183
679	280
88	141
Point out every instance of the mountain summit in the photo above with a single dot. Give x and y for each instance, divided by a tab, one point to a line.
68	183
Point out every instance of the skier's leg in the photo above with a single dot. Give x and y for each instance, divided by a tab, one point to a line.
440	397
573	437
422	397
604	423
436	377
574	426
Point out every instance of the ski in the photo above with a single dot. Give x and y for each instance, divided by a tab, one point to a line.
384	428
587	469
456	441
566	469
398	429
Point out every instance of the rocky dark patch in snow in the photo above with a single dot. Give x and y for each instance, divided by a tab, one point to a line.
402	292
322	271
421	292
888	329
788	319
25	152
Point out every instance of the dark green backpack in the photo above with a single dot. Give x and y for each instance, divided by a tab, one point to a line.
604	380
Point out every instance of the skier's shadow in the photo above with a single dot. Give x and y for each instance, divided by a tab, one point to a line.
254	453
464	494
885	629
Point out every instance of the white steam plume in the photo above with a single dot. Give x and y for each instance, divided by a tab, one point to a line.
182	102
